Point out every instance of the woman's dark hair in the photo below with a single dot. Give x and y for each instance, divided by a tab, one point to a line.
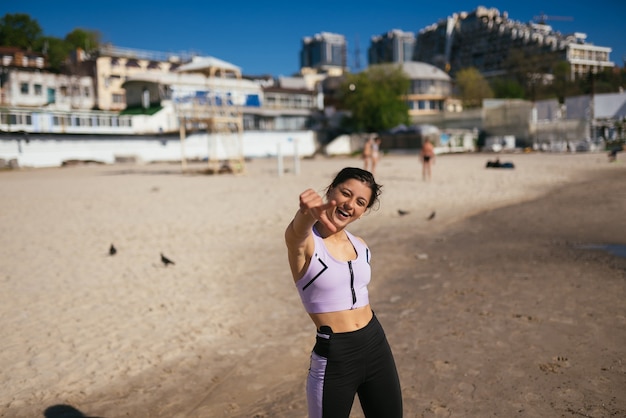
360	175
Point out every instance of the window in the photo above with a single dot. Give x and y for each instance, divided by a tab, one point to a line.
24	88
132	63
118	98
9	118
38	90
51	95
86	91
63	91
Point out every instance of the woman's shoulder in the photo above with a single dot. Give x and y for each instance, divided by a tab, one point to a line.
353	237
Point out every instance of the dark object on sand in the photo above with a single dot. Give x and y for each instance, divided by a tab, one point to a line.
431	216
112	250
402	212
63	411
498	164
166	260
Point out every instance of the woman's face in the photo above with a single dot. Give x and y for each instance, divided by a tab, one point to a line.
352	197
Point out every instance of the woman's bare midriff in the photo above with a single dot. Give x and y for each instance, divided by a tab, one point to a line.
344	321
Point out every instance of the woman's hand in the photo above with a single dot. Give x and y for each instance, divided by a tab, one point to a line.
313	204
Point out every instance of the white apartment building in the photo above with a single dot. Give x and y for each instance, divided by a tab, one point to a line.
25	83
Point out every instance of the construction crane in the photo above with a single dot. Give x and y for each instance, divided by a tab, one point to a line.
543	18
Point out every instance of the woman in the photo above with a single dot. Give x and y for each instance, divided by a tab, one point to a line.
427	155
368	149
331	270
375	154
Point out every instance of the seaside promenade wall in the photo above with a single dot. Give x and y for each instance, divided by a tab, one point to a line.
52	151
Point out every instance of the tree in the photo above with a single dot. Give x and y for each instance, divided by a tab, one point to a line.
375	98
506	88
87	40
56	51
19	30
473	87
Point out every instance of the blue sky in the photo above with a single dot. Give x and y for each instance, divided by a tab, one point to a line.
266	37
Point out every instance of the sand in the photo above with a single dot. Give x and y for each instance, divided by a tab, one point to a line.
492	308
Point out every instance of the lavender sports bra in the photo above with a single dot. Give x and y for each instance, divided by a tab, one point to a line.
330	285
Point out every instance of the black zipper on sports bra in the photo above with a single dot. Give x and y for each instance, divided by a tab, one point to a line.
352	283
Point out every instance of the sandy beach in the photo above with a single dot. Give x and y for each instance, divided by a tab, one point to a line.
496	307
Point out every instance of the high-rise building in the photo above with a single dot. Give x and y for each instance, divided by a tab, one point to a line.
325	52
394	46
484	38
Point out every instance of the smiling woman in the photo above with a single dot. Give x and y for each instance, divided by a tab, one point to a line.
331	270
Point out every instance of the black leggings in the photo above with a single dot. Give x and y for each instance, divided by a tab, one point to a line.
348	363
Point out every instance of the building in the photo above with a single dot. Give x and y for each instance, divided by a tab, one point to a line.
31	89
24	82
12	56
393	46
429	97
585	58
325	53
430	91
203	110
484	38
111	66
289	103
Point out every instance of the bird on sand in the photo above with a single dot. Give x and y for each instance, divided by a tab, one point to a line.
166	260
402	212
112	250
432	216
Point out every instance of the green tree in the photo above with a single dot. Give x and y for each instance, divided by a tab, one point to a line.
473	87
20	30
56	51
87	40
375	98
506	88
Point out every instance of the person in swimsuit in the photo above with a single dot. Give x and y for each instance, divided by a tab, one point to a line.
331	270
427	155
375	154
368	149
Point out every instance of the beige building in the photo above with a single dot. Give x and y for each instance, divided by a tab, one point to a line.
112	66
483	39
430	91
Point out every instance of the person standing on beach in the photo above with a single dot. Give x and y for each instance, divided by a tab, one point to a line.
375	154
331	270
427	155
368	149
